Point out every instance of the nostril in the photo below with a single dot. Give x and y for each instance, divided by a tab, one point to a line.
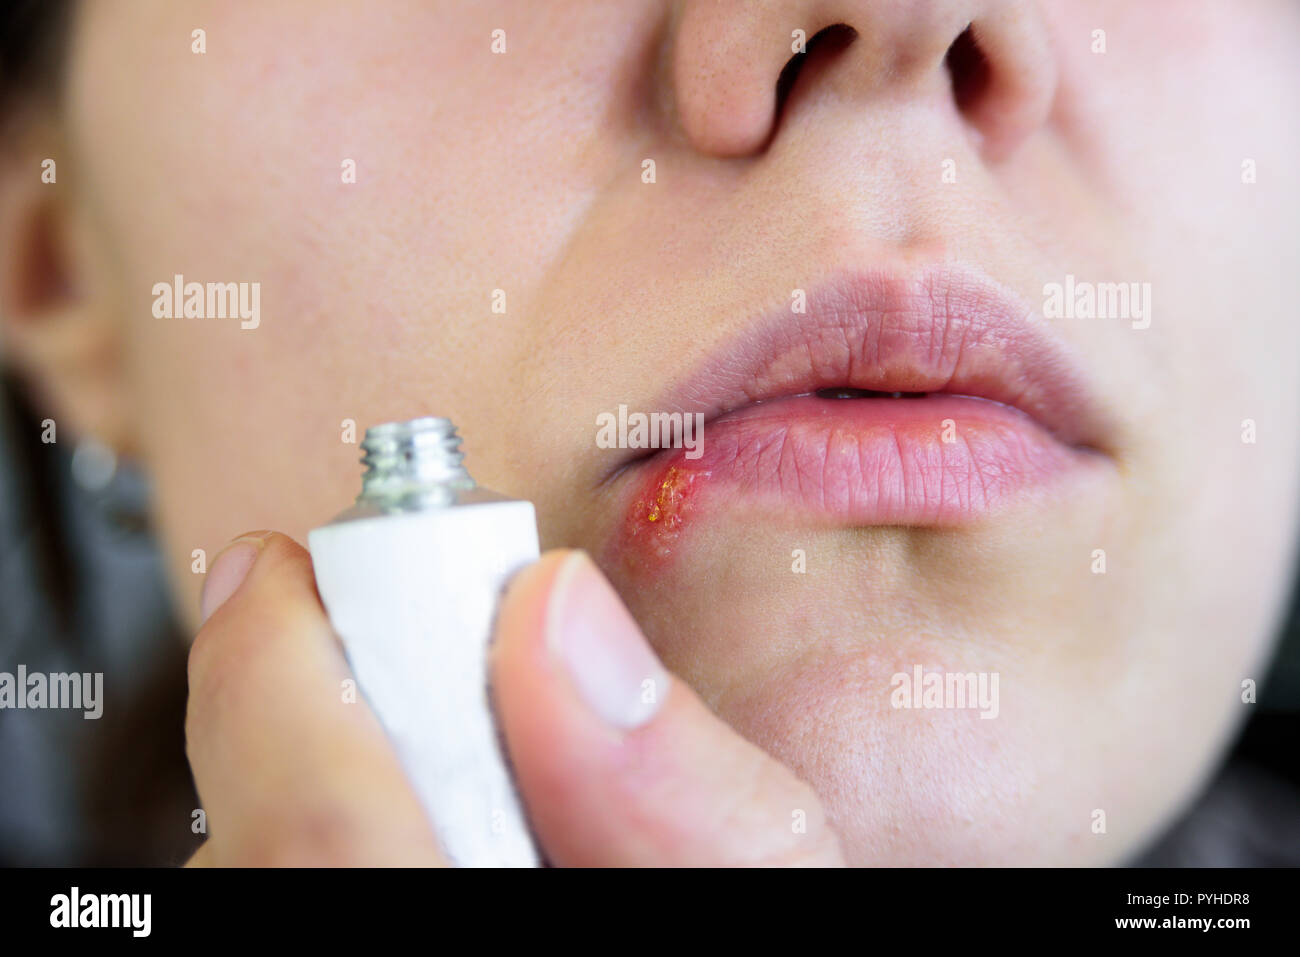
826	41
969	70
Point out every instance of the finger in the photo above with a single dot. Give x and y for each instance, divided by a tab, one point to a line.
291	768
618	762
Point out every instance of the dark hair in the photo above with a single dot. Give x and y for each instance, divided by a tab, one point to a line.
32	35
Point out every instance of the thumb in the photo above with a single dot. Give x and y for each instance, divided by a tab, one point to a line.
620	763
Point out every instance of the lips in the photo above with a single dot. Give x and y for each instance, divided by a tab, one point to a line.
925	400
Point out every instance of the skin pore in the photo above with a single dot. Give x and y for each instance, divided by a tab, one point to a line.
523	172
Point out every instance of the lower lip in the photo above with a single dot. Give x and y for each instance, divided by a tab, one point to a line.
939	460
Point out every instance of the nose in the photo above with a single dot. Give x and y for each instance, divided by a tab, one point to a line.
733	61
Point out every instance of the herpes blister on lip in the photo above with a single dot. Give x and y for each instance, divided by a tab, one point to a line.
410	577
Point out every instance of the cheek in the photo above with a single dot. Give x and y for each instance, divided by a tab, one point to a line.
233	170
232	166
1215	238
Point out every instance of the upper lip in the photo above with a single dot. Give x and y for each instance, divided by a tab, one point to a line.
945	329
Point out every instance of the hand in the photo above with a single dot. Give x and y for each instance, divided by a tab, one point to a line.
289	774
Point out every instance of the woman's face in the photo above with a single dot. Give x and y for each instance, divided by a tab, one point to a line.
506	257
